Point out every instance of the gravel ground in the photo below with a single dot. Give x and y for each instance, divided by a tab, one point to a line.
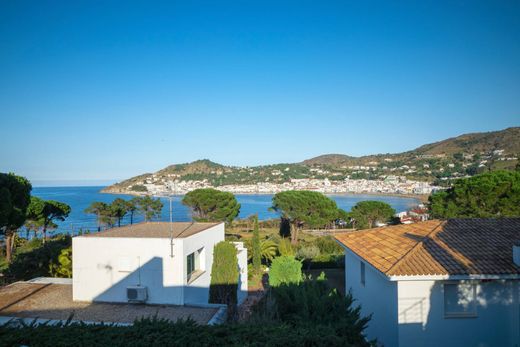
54	301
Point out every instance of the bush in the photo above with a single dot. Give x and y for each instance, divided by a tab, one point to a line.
157	332
313	304
307	252
63	266
285	247
224	276
328	245
37	262
285	270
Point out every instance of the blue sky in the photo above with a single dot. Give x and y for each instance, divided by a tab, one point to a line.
106	90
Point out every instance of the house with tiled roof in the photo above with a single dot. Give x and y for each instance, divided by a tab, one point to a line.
438	283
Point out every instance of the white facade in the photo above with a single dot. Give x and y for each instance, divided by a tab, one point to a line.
103	267
415	311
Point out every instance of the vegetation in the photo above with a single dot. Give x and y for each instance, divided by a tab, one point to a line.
157	332
14	199
150	208
488	195
312	303
256	249
101	210
365	214
119	209
211	205
311	209
224	276
285	270
63	266
43	213
138	188
35	259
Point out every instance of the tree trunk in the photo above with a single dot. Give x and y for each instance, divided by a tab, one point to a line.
9	246
119	222
131	218
294	233
44	234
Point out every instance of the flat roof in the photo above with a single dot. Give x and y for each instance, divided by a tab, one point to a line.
54	301
155	230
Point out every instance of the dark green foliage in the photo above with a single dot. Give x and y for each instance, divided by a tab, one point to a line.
366	214
119	209
102	212
313	303
43	213
257	250
328	245
224	275
311	209
14	199
158	332
138	188
488	195
36	262
62	267
150	208
285	270
211	205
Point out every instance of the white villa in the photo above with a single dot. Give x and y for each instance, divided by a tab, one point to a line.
438	283
154	263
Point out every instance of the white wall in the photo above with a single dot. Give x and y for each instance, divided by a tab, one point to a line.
422	321
197	291
103	267
378	297
242	268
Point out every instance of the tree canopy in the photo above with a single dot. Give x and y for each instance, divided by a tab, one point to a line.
150	208
45	212
366	214
301	207
15	194
491	194
211	205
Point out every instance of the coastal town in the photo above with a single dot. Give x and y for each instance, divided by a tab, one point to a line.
388	185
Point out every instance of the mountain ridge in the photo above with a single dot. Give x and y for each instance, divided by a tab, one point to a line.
466	154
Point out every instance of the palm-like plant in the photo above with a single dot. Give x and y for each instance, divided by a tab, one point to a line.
268	250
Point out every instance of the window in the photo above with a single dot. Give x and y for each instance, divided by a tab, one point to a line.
190	261
362	273
460	300
195	264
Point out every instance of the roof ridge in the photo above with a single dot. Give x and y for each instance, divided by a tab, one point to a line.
400	260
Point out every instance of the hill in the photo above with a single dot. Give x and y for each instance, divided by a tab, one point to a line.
437	162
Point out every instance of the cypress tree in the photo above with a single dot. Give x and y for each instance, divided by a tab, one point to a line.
224	276
257	251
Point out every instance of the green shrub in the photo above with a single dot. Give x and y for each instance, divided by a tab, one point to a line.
257	250
62	267
158	332
328	245
312	304
285	270
285	247
224	276
36	262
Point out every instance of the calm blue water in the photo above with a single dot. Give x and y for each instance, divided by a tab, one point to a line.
79	198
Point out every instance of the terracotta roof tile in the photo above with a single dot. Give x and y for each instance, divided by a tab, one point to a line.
453	247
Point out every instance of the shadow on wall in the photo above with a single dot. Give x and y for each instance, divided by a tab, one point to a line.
151	276
493	315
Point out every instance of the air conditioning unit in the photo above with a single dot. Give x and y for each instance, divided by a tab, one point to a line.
136	294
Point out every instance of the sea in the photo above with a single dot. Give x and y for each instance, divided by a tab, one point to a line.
79	198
